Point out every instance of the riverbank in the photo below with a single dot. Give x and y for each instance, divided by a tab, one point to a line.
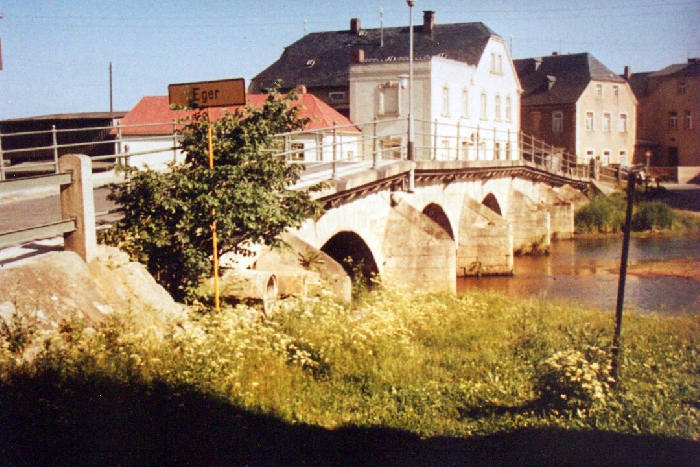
670	268
398	378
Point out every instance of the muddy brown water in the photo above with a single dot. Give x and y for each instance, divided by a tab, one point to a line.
586	271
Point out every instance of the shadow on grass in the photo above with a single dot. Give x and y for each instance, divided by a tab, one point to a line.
46	421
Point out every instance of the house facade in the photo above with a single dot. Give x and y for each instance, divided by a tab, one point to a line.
462	110
465	89
149	133
669	104
574	102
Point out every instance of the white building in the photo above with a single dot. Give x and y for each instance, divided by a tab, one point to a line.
462	110
149	133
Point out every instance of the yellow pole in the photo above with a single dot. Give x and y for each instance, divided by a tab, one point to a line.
213	226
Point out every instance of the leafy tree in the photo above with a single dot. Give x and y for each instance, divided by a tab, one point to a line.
168	216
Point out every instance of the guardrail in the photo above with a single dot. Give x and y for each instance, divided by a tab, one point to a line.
77	207
156	144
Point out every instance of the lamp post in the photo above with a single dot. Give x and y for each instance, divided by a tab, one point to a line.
648	156
410	148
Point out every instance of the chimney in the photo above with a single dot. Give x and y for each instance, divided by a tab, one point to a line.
555	53
301	89
693	60
627	72
355	26
428	21
357	56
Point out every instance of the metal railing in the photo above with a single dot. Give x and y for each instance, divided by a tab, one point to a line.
334	148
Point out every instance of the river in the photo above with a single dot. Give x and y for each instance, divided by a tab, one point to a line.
586	271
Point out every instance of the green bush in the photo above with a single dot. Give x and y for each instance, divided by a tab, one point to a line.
603	214
653	216
170	218
569	381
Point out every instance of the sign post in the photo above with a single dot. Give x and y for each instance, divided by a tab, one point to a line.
206	94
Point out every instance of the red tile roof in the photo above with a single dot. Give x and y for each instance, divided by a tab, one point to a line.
153	115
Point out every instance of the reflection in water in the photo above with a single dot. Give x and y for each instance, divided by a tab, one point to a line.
586	271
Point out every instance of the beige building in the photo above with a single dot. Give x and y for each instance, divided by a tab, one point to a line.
574	102
669	103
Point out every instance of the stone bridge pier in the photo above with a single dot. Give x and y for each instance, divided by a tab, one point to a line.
445	228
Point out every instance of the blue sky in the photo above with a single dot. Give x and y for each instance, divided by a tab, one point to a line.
56	53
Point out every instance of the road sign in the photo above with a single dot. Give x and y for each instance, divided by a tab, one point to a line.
221	93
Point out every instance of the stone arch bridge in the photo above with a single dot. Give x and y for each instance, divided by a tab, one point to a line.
461	218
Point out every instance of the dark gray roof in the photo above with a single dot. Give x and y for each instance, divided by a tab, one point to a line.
640	81
323	58
682	70
569	76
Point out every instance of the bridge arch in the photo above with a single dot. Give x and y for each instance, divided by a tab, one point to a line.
435	212
347	244
492	203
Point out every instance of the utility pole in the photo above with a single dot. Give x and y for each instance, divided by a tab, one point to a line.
615	350
1	17
111	95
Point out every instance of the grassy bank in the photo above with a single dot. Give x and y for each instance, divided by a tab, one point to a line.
318	375
606	214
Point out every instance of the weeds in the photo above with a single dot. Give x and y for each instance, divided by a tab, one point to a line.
432	364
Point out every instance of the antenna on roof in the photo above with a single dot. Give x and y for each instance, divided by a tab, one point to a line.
511	47
306	21
381	26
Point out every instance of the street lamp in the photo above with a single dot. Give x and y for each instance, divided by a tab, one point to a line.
410	148
648	156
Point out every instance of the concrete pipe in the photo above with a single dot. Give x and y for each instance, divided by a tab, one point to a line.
246	285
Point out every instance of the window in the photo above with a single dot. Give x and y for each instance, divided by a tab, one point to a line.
508	150
557	121
681	87
616	90
496	63
623	157
509	109
599	90
389	99
446	101
465	103
672	120
336	96
484	104
589	121
606	157
606	121
497	108
590	154
496	151
622	123
688	120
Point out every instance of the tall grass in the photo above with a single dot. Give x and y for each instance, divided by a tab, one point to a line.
606	214
431	364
